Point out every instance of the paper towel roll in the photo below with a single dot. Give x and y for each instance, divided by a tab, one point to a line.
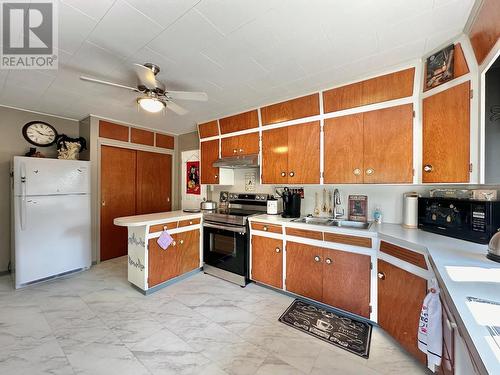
410	210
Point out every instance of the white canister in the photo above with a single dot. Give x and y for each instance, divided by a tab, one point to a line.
272	206
410	210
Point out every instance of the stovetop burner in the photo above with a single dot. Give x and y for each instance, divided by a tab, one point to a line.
238	208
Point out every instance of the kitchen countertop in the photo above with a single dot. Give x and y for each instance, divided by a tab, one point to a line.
152	219
460	266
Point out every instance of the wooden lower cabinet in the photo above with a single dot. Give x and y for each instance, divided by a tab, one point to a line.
304	270
400	297
337	278
182	256
346	281
189	246
267	261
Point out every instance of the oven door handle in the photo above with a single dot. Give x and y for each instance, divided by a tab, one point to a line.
226	227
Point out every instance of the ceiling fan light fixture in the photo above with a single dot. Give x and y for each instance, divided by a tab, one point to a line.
151	104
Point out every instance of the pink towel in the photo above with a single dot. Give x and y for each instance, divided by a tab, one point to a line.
164	240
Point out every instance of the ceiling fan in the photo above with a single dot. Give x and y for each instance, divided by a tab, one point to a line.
155	96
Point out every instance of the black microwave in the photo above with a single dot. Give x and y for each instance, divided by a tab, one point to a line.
466	219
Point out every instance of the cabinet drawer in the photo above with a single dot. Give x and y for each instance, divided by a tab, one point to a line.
163	226
305	233
273	228
403	254
348	240
188	222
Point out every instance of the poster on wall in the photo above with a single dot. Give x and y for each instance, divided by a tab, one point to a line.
193	178
439	67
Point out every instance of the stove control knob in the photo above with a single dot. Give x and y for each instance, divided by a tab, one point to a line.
263	197
257	197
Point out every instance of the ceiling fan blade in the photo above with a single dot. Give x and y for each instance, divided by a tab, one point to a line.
147	77
176	108
188	95
100	81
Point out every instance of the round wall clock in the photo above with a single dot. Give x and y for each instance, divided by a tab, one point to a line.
39	133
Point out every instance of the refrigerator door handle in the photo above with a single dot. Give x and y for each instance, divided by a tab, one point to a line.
23	212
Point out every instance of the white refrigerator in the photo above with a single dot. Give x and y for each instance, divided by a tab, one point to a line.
51	224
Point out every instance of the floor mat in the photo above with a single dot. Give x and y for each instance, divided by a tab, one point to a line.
331	326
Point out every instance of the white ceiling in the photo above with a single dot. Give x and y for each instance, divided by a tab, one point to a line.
242	53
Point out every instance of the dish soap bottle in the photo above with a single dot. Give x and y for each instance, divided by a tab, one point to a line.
377	215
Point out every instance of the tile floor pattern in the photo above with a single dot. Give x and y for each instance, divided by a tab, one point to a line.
96	323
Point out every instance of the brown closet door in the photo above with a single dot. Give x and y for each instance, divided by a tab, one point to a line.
118	192
154	182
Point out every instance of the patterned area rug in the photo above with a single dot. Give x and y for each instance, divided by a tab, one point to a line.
330	326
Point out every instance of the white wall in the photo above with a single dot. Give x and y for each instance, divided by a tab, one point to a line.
12	143
388	197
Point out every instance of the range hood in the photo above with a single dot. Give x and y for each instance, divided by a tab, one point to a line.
238	162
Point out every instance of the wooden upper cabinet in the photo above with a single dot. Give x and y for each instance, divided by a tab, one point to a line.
446	135
246	144
165	141
208	129
113	131
375	90
304	270
388	87
344	97
343	149
304	153
275	156
340	287
400	297
291	109
485	30
291	154
141	136
242	121
388	145
460	66
209	154
267	261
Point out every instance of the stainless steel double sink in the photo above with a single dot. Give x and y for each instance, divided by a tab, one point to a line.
332	222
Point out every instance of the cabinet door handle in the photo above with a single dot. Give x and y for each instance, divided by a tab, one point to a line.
174	243
328	261
277	249
317	258
235	151
190	222
356	172
240	150
381	275
370	171
181	242
265	228
292	173
283	174
216	176
428	168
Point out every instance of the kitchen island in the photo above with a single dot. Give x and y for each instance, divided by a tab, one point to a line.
149	266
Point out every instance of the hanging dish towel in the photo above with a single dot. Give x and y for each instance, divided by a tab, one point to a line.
430	330
164	240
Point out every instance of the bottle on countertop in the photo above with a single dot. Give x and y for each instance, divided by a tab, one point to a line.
377	215
272	206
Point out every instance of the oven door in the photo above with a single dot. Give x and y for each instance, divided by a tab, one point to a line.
225	247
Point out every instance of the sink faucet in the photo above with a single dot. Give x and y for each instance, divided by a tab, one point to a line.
338	211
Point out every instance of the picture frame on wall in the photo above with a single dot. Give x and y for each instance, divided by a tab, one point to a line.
439	67
193	178
358	208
